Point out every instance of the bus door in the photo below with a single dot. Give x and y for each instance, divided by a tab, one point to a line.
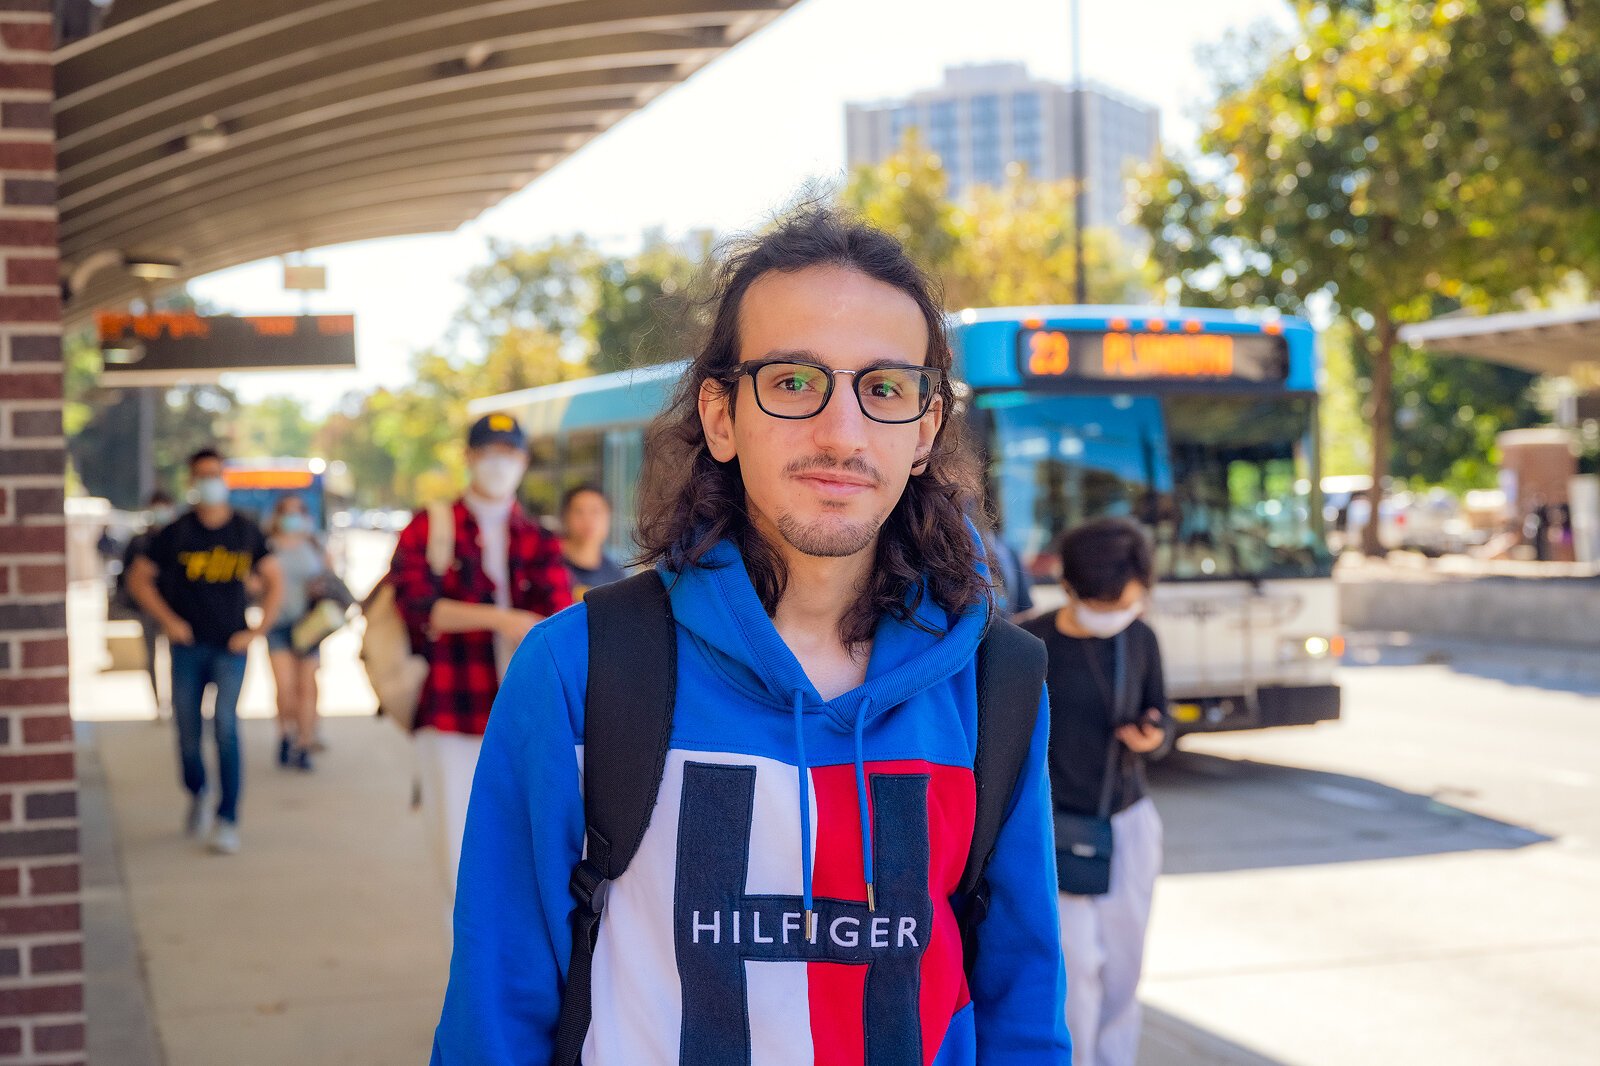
1236	546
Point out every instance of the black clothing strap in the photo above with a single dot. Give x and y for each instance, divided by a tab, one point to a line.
1116	695
627	726
1011	671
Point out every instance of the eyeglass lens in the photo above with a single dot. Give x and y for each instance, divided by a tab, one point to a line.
887	394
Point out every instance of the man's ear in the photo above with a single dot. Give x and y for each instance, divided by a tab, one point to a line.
927	434
716	419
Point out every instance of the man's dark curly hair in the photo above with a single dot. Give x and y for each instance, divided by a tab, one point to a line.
688	501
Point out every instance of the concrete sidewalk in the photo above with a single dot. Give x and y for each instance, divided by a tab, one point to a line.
323	941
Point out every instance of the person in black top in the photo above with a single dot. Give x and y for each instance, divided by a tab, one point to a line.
192	580
1107	573
585	525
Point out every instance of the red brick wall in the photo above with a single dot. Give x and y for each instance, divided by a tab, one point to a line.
41	943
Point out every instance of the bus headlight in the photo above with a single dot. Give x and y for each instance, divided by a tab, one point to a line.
1299	649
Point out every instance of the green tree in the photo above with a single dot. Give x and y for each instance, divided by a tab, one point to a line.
1449	411
346	434
1374	164
998	246
536	287
405	447
907	195
1015	248
275	426
1341	419
643	305
608	311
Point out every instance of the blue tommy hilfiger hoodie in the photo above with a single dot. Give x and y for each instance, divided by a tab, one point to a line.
776	804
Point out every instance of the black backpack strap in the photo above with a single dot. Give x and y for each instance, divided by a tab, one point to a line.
1011	672
626	731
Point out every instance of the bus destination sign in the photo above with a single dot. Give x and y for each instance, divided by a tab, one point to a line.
176	347
1180	355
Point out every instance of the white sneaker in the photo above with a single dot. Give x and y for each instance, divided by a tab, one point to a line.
225	838
198	822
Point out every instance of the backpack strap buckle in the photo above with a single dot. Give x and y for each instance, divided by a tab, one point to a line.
589	886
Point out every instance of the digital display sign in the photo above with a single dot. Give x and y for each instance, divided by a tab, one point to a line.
1116	355
178	347
268	479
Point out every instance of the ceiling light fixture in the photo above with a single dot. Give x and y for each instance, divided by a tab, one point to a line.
149	268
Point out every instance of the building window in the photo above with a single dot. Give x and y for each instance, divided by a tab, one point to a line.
988	168
1027	140
944	134
901	119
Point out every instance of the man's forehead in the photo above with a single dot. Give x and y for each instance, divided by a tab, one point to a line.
838	314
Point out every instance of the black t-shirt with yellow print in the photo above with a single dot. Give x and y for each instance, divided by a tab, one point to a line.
203	573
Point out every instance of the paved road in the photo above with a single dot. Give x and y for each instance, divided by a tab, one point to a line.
1417	884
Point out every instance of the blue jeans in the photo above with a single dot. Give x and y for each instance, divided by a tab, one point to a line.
194	666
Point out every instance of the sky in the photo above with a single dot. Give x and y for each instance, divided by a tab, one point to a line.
732	145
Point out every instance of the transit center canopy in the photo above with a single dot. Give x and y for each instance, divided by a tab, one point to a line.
195	135
1560	342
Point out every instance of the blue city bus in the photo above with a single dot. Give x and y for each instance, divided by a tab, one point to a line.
1201	425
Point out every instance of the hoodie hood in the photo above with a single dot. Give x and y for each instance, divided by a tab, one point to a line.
716	602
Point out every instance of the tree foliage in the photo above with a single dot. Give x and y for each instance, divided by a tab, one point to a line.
273	426
999	246
1386	161
608	312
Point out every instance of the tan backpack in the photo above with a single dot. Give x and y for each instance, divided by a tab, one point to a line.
395	671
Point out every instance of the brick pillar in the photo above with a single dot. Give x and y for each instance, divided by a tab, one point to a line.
41	943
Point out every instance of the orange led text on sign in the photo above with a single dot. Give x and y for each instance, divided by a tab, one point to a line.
115	325
1167	355
273	325
267	479
1049	353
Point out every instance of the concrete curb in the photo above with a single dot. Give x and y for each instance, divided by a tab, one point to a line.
116	989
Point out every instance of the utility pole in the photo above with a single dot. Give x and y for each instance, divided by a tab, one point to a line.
1079	270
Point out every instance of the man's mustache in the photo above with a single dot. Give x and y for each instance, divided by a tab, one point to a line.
854	465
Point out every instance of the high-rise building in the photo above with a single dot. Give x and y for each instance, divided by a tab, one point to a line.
988	116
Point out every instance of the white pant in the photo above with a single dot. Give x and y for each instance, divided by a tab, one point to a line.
1102	943
446	762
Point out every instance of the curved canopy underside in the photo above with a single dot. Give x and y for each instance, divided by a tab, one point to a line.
208	133
1562	341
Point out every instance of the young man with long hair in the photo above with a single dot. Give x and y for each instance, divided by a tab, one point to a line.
791	899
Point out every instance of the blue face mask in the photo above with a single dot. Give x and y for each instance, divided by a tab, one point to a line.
210	491
294	522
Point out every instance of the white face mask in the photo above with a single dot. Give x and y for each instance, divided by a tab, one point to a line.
1106	623
160	516
294	522
496	477
210	491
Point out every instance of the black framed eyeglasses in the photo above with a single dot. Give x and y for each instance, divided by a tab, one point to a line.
893	394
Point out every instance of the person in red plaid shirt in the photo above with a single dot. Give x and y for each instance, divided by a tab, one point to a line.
506	576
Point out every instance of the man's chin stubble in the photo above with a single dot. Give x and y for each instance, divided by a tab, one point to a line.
824	540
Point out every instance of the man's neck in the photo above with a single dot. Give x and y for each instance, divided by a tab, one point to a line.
818	593
213	516
479	502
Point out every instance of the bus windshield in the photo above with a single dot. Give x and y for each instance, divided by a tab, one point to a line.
1223	482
